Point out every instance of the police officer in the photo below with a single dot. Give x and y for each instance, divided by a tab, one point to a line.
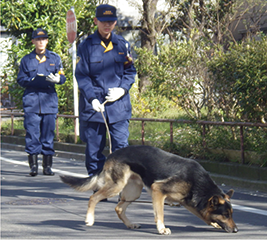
38	73
104	72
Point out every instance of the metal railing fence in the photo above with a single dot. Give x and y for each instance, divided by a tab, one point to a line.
241	125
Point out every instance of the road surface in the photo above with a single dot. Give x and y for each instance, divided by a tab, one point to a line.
42	207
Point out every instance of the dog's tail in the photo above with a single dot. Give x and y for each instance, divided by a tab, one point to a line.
82	184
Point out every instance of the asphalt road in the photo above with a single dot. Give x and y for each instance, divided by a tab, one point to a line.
42	207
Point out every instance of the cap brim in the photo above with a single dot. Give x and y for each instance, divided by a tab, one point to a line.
40	37
104	19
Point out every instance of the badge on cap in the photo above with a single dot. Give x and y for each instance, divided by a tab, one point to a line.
39	33
106	12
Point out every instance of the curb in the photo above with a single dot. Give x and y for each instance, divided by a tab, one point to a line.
239	182
221	179
58	153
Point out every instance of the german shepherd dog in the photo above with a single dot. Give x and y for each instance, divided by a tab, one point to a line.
166	177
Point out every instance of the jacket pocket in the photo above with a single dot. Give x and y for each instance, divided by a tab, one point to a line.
31	71
51	68
30	100
96	65
119	64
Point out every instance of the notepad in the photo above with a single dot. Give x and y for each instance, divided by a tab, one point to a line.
39	82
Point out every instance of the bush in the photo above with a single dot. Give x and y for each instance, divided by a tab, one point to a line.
240	80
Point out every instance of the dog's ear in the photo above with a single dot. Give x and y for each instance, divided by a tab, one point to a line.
229	194
214	201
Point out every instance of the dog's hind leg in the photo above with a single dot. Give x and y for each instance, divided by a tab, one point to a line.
130	193
158	199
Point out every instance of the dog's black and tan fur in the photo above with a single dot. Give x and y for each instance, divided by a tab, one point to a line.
167	177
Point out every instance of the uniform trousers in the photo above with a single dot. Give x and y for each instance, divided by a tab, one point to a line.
94	135
39	133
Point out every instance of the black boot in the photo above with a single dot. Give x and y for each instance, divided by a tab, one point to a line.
47	164
33	163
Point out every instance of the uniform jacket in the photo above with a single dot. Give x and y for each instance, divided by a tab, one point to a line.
40	96
99	69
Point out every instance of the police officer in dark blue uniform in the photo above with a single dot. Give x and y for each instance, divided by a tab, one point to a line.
38	73
104	72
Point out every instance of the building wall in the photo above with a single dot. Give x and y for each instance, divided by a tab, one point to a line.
253	21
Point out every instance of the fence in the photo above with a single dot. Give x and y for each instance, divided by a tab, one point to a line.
171	121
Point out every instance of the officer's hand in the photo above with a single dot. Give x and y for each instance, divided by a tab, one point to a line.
53	78
115	94
97	106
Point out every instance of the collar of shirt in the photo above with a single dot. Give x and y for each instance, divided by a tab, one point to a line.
96	39
105	40
41	57
33	54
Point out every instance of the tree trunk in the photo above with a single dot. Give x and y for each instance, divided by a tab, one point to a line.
148	35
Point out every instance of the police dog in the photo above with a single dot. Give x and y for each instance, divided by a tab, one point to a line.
166	177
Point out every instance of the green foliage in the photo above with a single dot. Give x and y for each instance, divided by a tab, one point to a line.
149	103
187	141
20	18
179	74
192	76
219	142
255	139
209	84
241	79
18	125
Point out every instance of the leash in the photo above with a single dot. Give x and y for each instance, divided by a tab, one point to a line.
109	138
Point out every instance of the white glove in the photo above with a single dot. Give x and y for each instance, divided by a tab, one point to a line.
115	94
53	78
97	106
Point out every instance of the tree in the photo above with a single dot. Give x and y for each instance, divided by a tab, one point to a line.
148	35
201	18
153	23
20	18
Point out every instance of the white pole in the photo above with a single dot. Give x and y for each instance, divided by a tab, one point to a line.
75	87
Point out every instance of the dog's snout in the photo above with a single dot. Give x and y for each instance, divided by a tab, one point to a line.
231	230
235	230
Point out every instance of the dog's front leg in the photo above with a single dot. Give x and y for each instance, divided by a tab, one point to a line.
158	206
90	215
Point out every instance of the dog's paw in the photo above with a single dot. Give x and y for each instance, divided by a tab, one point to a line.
89	221
134	226
165	231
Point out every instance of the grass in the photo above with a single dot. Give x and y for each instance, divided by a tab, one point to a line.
18	125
